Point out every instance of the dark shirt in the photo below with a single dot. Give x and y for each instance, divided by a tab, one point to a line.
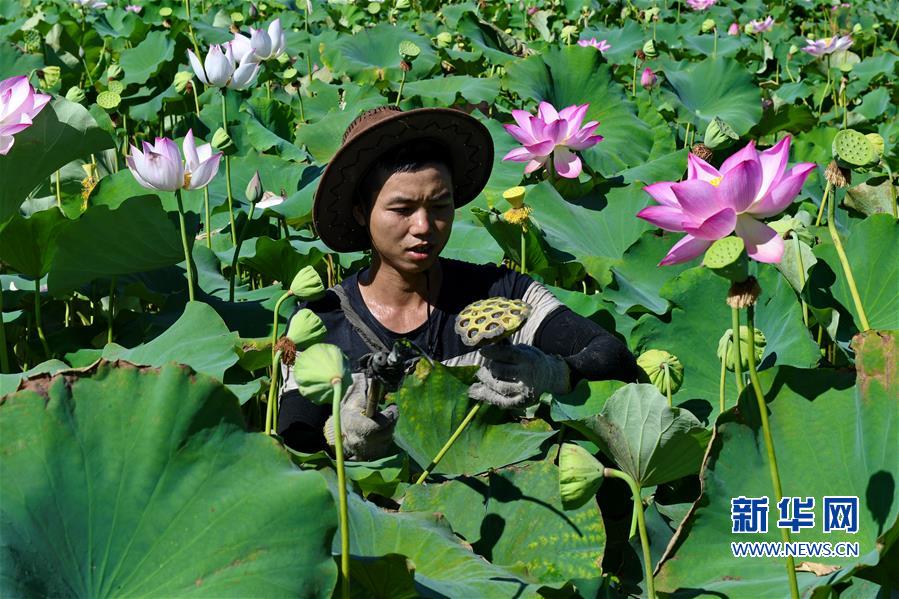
590	351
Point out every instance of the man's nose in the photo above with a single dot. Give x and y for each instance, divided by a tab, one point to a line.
421	222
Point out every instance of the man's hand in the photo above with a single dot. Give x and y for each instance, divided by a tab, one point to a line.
514	376
363	438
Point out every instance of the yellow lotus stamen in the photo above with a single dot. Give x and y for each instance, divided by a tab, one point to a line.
716	181
186	179
517	216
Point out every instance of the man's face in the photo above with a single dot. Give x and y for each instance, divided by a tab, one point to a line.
411	218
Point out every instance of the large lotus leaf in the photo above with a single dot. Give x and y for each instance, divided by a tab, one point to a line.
433	402
445	89
136	237
624	40
585	400
29	244
651	441
145	59
831	438
444	567
493	43
716	88
507	236
700	317
596	238
639	278
199	339
707	45
62	132
323	136
505	173
278	259
373	55
13	62
576	75
9	382
871	248
139	482
470	242
874	196
514	518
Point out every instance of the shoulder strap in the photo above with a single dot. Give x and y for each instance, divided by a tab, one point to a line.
373	342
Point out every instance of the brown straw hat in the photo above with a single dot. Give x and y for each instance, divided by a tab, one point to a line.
376	132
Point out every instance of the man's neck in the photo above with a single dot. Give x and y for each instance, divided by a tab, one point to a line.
385	285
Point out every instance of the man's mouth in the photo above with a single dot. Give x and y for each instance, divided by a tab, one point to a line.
422	250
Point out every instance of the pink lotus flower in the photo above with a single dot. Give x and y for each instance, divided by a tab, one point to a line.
19	104
828	45
761	26
648	79
700	4
134	8
262	44
552	134
159	166
601	45
714	203
734	29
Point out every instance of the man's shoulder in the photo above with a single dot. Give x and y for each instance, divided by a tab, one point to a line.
479	281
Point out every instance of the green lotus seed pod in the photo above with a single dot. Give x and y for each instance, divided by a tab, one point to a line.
51	76
307	285
409	50
75	94
318	368
727	258
580	476
237	17
877	144
306	329
515	196
663	369
444	39
492	319
726	347
116	86
852	149
793	49
650	50
165	11
182	78
718	134
222	141
33	41
857	28
708	25
747	29
568	33
290	74
108	100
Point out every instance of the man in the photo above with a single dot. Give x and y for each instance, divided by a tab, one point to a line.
393	187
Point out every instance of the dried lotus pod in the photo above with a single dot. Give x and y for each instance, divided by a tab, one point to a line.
491	319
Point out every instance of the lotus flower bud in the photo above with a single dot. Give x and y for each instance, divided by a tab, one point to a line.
75	94
727	258
663	369
650	50
182	78
444	39
726	347
718	134
113	71
648	79
306	328
307	285
254	190
857	28
222	141
254	12
580	476
318	368
708	25
734	29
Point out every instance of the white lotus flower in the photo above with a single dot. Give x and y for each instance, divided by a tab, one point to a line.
225	66
159	165
96	4
262	44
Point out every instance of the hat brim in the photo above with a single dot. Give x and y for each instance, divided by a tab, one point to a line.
468	144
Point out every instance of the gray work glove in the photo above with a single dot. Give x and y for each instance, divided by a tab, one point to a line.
514	376
364	438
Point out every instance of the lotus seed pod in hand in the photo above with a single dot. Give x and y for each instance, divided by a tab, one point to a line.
306	329
580	476
317	368
663	369
726	347
307	284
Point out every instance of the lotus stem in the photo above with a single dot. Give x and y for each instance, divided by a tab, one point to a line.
641	526
524	248
468	418
634	87
722	384
58	192
738	363
844	262
337	387
399	95
769	443
234	258
893	208
827	189
4	358
271	410
715	44
208	217
228	172
110	314
37	317
798	251
185	246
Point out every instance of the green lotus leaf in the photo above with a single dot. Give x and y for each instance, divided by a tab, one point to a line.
146	58
808	413
152	490
372	56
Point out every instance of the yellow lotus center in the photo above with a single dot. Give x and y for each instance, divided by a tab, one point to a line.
517	216
716	181
186	179
827	40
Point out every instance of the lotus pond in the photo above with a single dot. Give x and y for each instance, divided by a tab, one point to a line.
713	182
